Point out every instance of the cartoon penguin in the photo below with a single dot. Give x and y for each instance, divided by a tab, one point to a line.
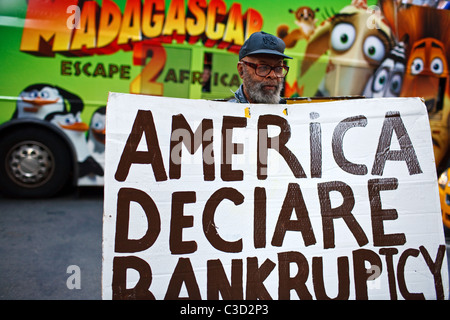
75	129
387	79
96	135
39	100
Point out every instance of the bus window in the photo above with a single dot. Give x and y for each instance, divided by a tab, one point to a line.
206	74
176	76
224	76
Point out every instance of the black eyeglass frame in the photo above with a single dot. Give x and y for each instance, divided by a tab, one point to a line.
255	66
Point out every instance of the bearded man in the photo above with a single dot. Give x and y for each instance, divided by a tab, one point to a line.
262	69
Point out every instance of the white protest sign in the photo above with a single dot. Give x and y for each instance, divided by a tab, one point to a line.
211	200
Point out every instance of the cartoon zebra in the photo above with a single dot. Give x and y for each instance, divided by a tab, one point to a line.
387	79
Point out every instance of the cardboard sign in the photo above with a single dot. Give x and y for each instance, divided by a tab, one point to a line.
216	200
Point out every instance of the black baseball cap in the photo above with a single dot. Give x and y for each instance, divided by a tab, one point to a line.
262	42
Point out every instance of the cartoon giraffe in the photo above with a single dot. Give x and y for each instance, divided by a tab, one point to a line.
355	50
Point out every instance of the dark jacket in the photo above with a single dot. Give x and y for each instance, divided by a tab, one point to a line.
239	97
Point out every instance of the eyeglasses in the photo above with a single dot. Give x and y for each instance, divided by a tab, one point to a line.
263	70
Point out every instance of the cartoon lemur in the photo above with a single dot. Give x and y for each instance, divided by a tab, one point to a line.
306	22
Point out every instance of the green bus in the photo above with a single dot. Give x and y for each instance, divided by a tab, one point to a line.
62	57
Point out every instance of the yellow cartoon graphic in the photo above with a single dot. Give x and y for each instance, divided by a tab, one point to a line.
427	67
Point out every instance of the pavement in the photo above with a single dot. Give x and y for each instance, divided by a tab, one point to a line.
41	239
51	249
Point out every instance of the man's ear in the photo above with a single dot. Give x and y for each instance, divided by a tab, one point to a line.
240	70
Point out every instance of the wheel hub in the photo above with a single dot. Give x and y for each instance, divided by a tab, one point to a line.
30	163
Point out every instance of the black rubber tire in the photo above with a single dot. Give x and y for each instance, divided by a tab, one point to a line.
49	146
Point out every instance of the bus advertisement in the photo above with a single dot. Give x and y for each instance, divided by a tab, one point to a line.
63	57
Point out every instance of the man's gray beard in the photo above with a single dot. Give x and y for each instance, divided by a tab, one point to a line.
256	94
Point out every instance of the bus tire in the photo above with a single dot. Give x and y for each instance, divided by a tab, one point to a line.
35	162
